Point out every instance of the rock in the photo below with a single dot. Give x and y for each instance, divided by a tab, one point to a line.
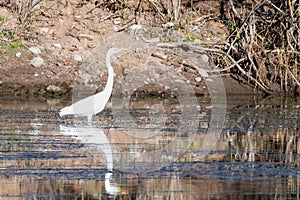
160	55
202	72
35	50
85	36
37	61
18	54
198	79
197	23
214	32
204	58
35	74
77	58
168	25
44	30
35	5
117	21
134	28
91	45
178	70
53	88
57	45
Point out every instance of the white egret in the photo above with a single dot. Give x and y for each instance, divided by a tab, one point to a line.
94	104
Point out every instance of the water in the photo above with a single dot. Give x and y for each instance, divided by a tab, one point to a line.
256	156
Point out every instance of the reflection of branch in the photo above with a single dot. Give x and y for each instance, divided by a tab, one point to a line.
251	157
288	151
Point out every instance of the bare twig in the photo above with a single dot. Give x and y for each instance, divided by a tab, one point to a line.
234	10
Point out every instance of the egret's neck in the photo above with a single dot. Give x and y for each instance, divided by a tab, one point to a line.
110	77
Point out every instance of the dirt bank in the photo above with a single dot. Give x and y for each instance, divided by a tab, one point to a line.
65	32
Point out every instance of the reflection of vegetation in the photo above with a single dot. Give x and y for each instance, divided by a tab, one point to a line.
265	134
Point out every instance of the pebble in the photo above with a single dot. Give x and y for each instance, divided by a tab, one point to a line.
198	79
160	55
91	45
37	62
85	36
168	25
44	30
35	74
134	28
53	88
214	32
57	45
197	23
1	82
117	21
18	54
178	70
77	58
35	50
202	72
204	58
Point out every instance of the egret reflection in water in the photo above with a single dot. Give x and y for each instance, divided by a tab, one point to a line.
95	137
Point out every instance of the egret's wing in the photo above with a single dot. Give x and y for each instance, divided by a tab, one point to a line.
84	106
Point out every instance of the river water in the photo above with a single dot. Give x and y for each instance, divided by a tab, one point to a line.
254	155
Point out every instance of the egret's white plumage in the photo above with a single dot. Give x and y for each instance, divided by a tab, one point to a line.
94	104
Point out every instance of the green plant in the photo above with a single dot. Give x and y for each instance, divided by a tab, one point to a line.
9	34
1	18
16	44
192	38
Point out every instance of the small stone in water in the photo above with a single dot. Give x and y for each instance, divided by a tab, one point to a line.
52	88
37	62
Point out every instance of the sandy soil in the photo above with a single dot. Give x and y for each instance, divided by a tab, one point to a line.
67	31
